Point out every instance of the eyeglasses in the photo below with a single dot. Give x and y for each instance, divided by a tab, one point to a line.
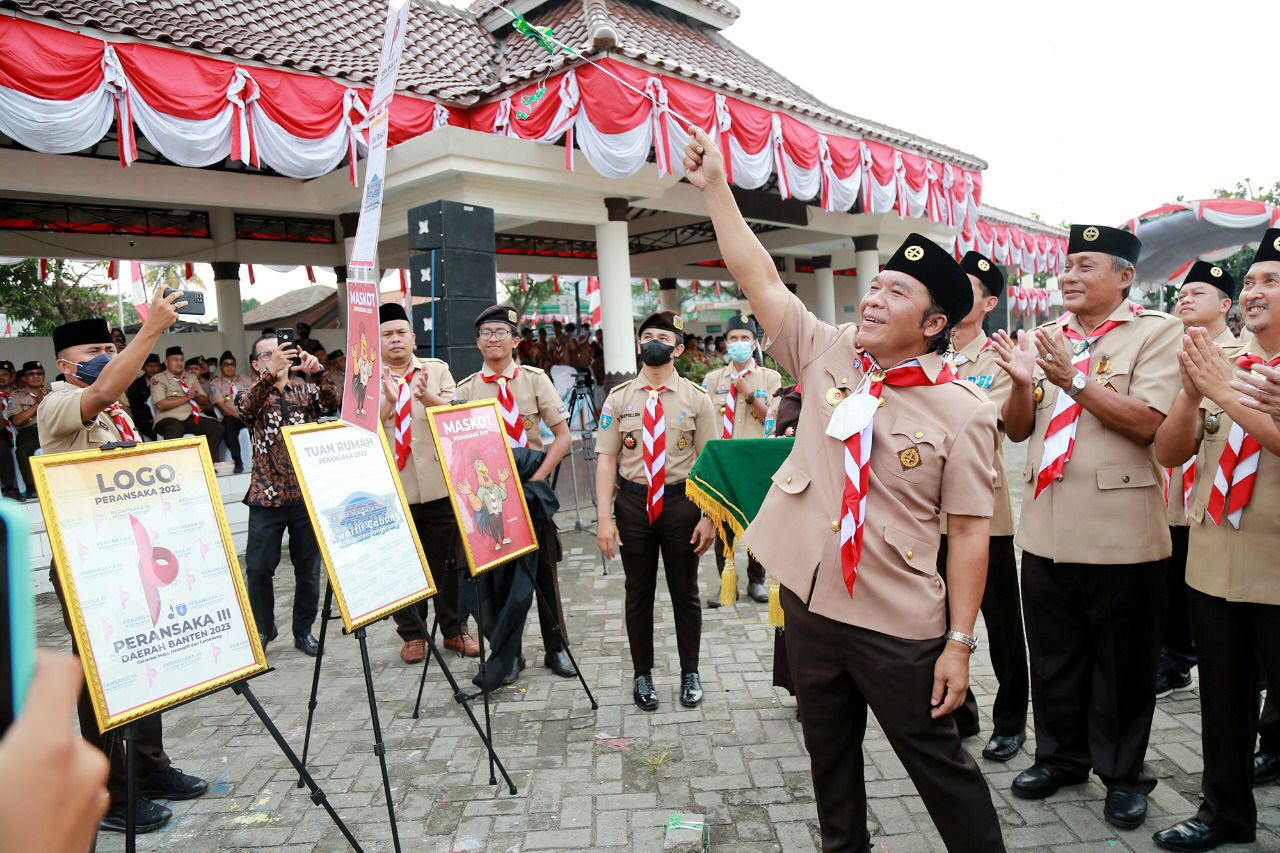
494	334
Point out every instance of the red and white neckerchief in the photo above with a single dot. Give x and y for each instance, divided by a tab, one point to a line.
857	458
1060	436
4	405
731	402
654	435
1238	467
1188	480
510	409
195	407
404	420
127	433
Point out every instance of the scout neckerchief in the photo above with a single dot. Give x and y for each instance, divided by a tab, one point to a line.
404	421
4	405
655	451
1188	480
857	451
510	409
195	407
731	401
116	412
1060	436
1238	467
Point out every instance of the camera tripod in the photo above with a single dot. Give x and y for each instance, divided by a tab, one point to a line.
583	417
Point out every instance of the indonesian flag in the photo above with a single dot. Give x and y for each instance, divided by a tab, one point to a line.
404	287
252	278
130	279
593	301
44	269
697	287
189	271
1024	300
112	267
524	283
311	274
8	328
646	285
717	289
555	284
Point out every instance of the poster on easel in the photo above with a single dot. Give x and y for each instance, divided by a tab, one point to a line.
369	544
149	571
484	488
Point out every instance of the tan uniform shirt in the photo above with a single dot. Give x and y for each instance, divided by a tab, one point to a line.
976	363
764	385
536	397
422	478
1176	511
931	452
21	400
61	429
222	389
164	386
691	421
1238	565
1108	509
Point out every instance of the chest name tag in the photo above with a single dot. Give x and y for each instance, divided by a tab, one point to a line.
852	416
983	382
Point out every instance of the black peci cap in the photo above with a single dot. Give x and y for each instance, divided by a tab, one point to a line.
389	312
933	266
1102	238
1207	273
80	332
151	358
171	351
1269	248
29	366
985	270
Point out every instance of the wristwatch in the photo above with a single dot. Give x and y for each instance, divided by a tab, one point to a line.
971	642
1078	382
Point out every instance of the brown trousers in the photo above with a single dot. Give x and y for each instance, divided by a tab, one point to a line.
438	531
842	670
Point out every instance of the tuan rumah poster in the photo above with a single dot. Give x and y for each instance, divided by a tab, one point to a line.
149	571
487	497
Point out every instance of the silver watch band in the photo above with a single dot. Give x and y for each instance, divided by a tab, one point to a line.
971	642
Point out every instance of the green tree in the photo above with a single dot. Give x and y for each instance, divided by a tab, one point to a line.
73	291
536	293
1238	264
247	305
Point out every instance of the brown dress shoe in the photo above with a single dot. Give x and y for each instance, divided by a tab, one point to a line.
464	644
414	651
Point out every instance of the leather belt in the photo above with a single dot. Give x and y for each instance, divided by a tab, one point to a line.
672	490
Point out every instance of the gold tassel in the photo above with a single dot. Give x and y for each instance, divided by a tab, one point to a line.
729	580
775	605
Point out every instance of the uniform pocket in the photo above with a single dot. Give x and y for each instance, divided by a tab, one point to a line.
791	477
1113	375
916	445
1126	477
919	555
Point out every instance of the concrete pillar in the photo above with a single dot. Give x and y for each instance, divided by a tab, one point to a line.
668	295
867	259
824	281
614	268
347	223
226	284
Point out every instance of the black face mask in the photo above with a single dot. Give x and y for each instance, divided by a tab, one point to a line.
656	353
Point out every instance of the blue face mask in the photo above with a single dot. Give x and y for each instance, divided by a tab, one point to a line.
89	371
740	352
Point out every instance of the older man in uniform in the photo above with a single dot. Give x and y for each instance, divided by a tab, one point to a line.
408	380
886	439
650	433
974	359
740	392
1203	301
1090	390
223	389
8	462
82	413
527	400
24	412
178	398
1232	572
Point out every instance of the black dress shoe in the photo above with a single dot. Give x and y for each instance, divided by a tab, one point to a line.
644	694
559	663
148	817
172	784
1039	781
690	690
1125	809
713	603
1194	834
1167	682
1003	747
307	645
758	593
1266	767
268	637
512	674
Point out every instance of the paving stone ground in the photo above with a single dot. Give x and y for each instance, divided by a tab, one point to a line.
604	780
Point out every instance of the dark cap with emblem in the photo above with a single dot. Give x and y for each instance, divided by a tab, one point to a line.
984	270
194	361
78	333
1269	248
742	322
6	365
1206	273
226	356
667	320
389	312
1109	241
171	351
29	366
151	358
933	266
499	314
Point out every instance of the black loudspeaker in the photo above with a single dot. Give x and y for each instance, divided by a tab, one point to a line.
451	225
458	285
462	360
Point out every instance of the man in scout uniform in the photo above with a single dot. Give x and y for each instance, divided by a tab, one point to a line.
973	358
651	431
1232	571
8	463
1203	302
222	392
178	399
82	413
139	396
1090	390
850	529
410	385
740	392
24	409
527	400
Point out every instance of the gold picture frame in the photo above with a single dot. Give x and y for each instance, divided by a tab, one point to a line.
493	445
352	622
57	517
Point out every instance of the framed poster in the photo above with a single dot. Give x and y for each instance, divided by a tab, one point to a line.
367	538
150	575
484	488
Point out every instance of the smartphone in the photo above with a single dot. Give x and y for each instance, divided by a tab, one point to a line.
193	298
289	336
17	613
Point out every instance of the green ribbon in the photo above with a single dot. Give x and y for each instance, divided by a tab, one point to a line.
542	35
677	821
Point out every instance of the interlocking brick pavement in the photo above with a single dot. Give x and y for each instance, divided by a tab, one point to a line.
604	780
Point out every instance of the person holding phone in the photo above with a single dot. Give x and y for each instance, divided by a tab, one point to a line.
81	413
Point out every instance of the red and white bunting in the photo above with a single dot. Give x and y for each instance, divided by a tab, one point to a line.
593	301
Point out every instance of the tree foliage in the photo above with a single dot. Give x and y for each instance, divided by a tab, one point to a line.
73	291
1238	264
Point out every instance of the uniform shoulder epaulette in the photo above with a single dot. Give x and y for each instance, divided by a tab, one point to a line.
469	378
1042	326
971	388
697	385
616	388
1151	312
436	360
532	369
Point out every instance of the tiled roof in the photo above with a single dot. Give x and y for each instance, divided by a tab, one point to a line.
1005	217
288	305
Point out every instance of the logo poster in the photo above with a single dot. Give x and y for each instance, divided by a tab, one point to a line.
484	488
150	574
370	547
